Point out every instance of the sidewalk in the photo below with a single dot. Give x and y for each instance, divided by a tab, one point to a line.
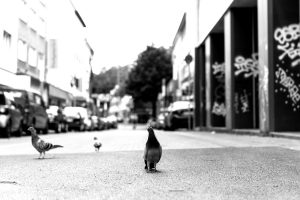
289	135
218	173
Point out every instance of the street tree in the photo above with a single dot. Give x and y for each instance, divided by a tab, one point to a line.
145	79
106	80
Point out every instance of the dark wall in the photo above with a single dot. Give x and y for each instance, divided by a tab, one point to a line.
286	65
245	68
218	110
202	87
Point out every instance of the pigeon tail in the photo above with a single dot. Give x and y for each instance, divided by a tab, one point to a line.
56	146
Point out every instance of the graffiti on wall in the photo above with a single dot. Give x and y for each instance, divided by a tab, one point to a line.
219	109
286	78
241	102
246	66
219	91
289	44
288	86
218	70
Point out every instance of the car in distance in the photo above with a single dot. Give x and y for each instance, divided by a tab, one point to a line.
57	120
180	115
11	119
77	118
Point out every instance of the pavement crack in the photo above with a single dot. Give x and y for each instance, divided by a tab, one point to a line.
8	182
176	190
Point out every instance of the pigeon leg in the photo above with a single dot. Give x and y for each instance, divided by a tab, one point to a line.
155	167
40	155
148	168
44	155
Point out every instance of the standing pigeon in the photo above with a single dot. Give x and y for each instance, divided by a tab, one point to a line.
153	151
40	145
97	144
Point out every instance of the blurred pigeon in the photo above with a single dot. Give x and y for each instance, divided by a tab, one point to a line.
153	151
40	145
97	144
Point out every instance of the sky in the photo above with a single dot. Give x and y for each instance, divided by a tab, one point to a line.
118	30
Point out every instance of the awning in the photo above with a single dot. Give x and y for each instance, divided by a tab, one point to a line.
58	93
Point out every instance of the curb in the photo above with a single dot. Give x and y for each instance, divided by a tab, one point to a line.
295	136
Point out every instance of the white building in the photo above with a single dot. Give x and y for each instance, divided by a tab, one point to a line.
183	48
23	44
69	54
43	48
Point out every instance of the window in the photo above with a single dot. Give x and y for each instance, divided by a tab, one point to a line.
41	61
6	39
22	50
38	99
32	57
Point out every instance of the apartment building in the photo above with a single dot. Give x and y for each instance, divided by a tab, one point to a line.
69	56
43	48
23	44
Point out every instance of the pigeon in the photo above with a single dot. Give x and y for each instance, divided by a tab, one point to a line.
97	144
40	145
153	151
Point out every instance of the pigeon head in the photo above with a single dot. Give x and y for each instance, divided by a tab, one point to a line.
150	130
95	138
31	130
151	135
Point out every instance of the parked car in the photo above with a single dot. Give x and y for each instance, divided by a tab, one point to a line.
57	119
112	121
180	115
32	108
95	122
11	119
161	119
104	122
77	118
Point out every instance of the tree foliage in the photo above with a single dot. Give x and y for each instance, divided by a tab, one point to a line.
145	79
105	81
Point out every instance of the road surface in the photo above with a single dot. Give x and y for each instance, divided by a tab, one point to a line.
194	165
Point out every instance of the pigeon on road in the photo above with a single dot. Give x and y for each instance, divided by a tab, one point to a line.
153	151
97	144
40	145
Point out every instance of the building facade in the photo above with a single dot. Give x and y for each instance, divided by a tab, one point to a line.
23	44
69	56
39	54
247	69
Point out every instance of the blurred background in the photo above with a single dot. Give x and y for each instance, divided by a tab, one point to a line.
202	65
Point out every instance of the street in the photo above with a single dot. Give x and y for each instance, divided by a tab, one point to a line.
194	165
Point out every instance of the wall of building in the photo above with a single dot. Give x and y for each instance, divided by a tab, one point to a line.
208	15
68	67
25	28
183	46
255	45
23	22
8	36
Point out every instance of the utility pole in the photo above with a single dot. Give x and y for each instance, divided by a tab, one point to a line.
188	59
77	14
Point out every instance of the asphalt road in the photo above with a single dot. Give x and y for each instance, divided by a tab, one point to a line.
193	166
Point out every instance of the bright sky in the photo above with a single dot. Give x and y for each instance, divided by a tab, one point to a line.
118	30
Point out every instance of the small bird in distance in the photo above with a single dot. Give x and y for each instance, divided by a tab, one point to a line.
97	144
153	151
40	145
